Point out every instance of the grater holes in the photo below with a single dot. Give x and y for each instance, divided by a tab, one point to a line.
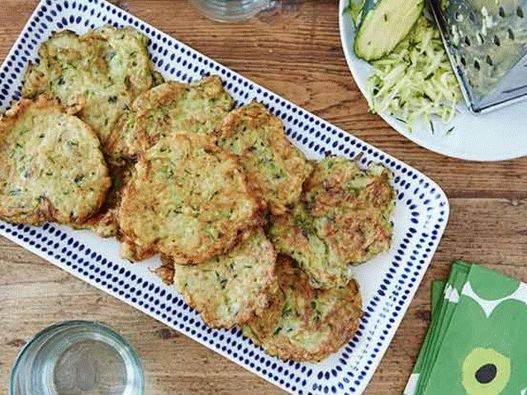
501	12
496	40
477	66
463	61
511	34
467	41
472	17
481	39
489	61
458	16
519	12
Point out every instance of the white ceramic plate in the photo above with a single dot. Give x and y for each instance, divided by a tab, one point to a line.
388	282
498	135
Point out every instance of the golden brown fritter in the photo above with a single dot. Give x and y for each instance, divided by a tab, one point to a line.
303	323
170	107
275	168
98	74
187	199
344	219
230	289
51	165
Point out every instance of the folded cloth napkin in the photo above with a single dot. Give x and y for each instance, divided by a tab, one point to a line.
477	340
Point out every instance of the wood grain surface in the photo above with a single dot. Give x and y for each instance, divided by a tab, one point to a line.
296	52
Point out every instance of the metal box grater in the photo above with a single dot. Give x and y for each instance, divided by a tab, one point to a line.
486	41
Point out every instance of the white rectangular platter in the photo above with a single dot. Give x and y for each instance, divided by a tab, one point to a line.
388	282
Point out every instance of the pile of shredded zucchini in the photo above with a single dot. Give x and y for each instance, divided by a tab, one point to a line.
415	82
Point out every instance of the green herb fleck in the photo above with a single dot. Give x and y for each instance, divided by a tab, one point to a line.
79	179
287	310
15	192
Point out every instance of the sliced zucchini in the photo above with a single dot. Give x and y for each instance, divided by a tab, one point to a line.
385	23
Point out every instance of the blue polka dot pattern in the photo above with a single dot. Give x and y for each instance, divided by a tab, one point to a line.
420	217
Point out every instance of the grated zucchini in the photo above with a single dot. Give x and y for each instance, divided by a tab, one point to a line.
415	81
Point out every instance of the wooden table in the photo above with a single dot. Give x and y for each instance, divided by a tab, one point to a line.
295	52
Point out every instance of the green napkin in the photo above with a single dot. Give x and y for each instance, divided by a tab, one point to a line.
476	343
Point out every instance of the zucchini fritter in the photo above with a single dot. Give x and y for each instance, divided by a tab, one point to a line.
275	168
173	106
98	74
303	323
344	219
51	165
230	289
187	199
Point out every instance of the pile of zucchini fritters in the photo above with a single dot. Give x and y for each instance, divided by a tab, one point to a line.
250	232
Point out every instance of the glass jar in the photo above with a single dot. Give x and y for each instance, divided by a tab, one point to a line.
80	357
232	10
